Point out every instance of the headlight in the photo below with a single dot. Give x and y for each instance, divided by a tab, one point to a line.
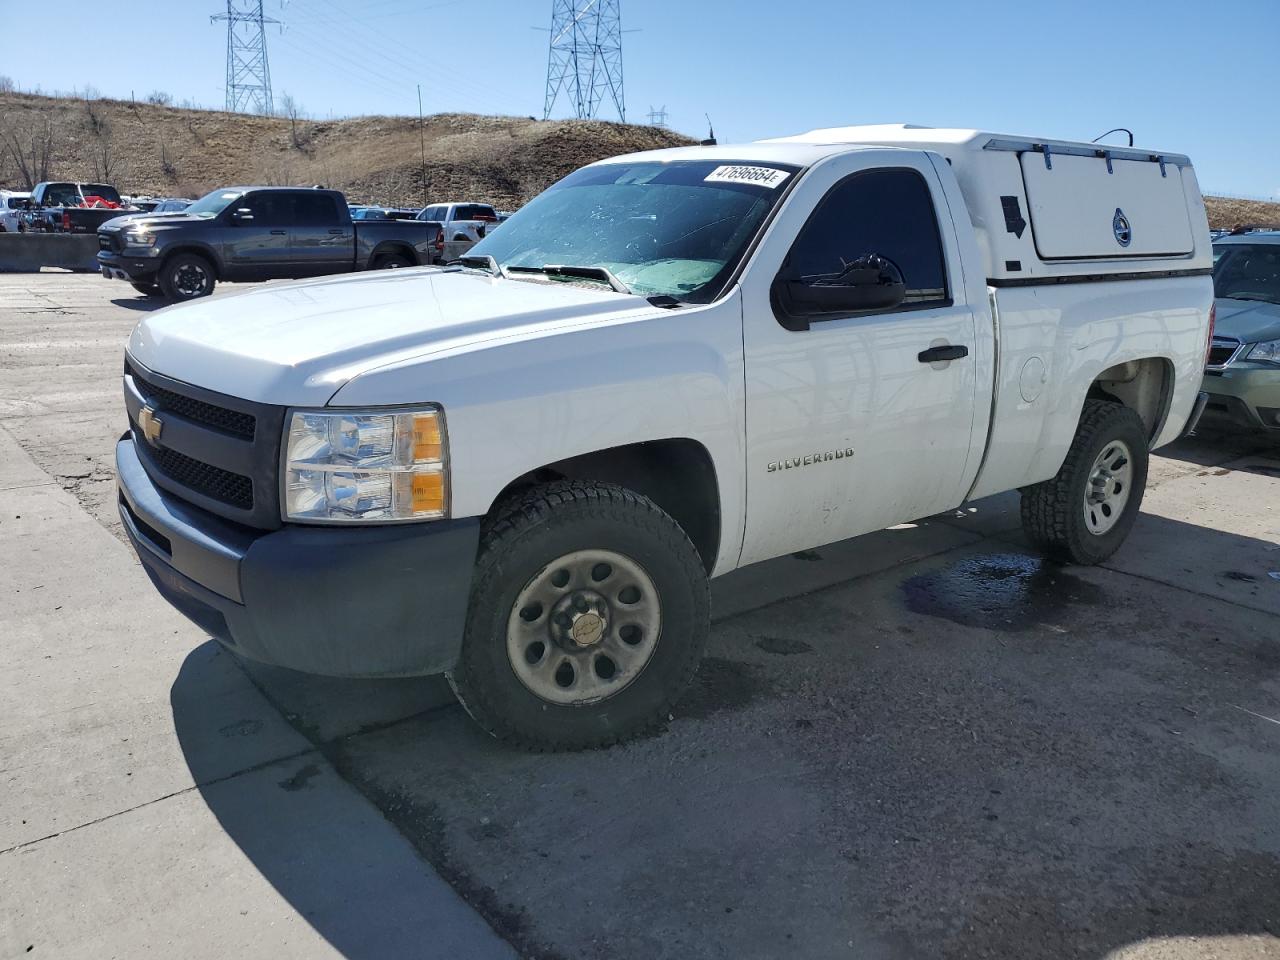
371	465
1268	350
138	238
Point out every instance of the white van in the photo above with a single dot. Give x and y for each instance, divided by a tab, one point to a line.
522	470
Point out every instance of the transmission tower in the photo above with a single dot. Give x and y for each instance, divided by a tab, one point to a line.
585	56
658	118
248	72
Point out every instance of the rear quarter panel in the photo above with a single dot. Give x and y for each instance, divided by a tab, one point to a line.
1054	342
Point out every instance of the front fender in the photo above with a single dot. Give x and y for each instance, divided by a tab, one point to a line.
514	405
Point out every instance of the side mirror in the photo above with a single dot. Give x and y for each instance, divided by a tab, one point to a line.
869	283
243	215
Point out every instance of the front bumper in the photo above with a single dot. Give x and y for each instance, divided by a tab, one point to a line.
1246	394
377	601
131	269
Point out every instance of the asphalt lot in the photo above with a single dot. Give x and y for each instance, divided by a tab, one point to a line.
922	743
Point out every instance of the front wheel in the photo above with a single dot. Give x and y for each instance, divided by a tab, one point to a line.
1084	513
589	613
186	276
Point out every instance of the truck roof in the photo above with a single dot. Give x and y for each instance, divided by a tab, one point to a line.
1041	207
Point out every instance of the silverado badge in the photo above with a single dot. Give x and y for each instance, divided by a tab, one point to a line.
807	459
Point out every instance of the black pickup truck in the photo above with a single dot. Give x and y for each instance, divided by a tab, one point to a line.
65	207
257	233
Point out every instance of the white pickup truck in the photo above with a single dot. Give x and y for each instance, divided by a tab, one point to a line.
521	471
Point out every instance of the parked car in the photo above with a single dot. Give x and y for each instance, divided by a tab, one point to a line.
256	233
172	205
12	204
521	471
461	221
64	207
1242	376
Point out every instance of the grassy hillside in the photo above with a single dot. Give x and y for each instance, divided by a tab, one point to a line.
158	150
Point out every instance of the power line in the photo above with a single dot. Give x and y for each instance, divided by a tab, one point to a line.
584	58
248	70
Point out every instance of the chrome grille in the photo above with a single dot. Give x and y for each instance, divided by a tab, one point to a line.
1222	351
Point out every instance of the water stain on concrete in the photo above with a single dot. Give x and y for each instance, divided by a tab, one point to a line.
721	685
1003	592
1239	576
782	646
300	779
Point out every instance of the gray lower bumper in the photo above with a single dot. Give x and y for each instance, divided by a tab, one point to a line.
378	601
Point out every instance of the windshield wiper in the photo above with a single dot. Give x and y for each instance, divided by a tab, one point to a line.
483	262
601	274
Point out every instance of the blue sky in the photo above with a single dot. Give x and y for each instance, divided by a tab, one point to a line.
1042	67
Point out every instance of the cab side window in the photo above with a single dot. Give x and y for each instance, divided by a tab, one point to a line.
270	209
315	210
878	213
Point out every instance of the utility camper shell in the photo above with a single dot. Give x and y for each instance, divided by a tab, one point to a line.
1055	210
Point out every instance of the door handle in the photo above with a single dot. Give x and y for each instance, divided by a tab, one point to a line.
339	231
278	233
949	352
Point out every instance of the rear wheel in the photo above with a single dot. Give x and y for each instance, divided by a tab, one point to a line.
186	276
391	261
1084	513
589	613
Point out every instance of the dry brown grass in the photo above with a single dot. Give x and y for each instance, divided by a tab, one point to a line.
161	150
1227	212
169	151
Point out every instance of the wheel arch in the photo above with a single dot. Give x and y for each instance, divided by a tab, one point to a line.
1144	385
678	474
200	250
393	247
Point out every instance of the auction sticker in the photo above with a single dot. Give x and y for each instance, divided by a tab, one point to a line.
753	176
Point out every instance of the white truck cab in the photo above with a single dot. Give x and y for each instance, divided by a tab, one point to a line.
521	470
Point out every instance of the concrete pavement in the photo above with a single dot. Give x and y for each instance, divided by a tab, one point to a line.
152	801
923	743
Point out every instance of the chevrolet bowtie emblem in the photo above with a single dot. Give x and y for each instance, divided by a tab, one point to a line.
151	424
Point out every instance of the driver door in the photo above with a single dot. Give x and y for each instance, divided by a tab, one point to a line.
850	426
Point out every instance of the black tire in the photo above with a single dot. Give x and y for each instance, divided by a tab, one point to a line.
147	289
1054	513
522	541
391	261
187	276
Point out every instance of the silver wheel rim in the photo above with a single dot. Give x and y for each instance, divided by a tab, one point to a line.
584	627
189	279
1110	481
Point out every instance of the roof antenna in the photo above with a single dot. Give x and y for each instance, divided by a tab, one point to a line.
1115	130
711	134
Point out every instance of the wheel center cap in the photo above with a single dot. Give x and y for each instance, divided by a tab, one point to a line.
587	629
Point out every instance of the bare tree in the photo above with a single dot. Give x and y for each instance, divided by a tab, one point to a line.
30	146
160	98
289	107
7	85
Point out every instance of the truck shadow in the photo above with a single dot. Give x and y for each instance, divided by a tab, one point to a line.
1057	762
141	304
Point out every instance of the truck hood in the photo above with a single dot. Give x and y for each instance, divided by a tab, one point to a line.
298	343
1247	320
